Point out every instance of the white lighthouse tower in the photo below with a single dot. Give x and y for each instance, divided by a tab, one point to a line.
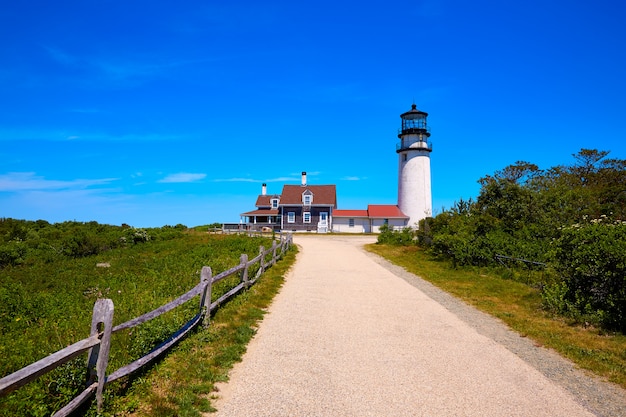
414	148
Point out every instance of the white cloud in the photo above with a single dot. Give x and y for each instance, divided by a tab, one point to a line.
236	179
308	173
111	68
241	179
29	181
61	135
353	178
283	179
183	177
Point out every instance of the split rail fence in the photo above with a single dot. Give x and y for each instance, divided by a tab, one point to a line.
98	343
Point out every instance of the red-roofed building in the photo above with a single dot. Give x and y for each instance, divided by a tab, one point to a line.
313	208
266	215
370	220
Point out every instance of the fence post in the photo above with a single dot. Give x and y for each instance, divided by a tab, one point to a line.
274	253
244	273
98	359
283	244
262	260
205	299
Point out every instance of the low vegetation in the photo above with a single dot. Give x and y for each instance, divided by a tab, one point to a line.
51	275
505	294
544	250
184	384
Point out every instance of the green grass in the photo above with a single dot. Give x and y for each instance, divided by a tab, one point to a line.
45	305
183	384
520	307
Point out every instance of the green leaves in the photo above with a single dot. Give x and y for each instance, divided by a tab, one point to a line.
387	235
567	216
591	258
46	301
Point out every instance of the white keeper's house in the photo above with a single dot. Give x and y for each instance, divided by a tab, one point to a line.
313	208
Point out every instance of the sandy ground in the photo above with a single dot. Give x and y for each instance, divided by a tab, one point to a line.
350	336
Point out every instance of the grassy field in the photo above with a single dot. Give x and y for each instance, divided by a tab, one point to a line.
46	305
520	306
183	384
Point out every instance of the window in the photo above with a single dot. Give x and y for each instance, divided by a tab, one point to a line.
307	198
307	216
274	203
386	221
350	222
291	217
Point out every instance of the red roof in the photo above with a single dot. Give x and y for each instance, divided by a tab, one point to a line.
262	212
263	201
350	213
385	211
325	195
374	211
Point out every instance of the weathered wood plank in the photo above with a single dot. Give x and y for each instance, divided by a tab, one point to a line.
255	259
102	321
136	365
262	254
244	274
207	279
227	273
227	295
31	372
161	310
77	401
274	246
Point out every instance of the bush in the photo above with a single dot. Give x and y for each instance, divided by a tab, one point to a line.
389	236
137	235
592	261
12	253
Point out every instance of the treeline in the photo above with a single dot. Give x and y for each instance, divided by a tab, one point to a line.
570	218
23	241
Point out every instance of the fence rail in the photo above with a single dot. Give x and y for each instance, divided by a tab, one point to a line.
99	341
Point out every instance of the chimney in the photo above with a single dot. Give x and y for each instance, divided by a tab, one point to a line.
304	178
264	189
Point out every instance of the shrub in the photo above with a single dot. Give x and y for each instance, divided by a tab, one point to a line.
389	236
12	253
592	261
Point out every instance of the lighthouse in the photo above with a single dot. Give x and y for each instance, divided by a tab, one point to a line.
414	148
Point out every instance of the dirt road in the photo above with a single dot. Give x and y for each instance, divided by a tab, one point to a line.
348	336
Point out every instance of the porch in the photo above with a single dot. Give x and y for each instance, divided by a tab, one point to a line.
260	220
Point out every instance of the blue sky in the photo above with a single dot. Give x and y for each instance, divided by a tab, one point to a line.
153	113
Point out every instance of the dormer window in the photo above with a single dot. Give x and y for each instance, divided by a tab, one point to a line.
274	203
307	198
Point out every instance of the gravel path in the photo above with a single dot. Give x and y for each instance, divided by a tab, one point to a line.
352	335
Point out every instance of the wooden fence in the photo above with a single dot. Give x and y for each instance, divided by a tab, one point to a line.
99	341
244	231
